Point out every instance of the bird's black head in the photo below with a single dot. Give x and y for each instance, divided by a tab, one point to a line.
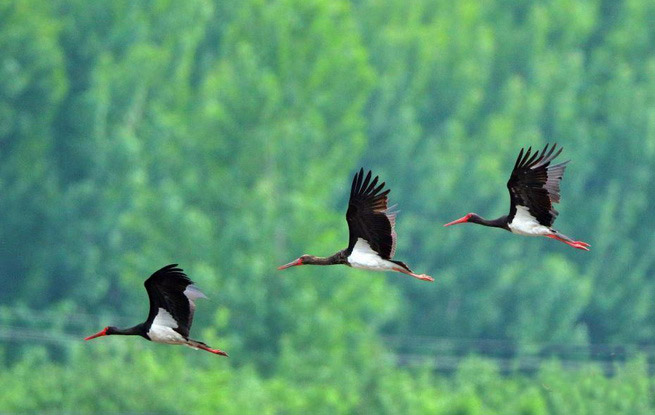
470	217
104	332
303	260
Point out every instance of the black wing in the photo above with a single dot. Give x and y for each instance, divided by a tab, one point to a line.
368	216
170	288
534	183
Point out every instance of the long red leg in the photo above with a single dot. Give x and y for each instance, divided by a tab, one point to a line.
576	244
210	350
421	277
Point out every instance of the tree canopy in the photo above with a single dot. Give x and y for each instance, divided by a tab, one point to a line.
223	136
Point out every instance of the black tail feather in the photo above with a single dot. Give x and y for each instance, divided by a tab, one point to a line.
402	264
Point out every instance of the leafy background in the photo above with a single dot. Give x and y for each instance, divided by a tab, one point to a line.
223	135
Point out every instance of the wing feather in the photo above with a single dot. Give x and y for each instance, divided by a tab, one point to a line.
535	183
170	288
369	217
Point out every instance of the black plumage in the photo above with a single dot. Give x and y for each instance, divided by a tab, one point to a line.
371	220
534	183
171	294
533	190
165	289
368	216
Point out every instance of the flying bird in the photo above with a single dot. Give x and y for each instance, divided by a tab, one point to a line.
171	295
533	189
372	241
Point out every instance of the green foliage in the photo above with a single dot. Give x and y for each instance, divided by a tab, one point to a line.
129	376
463	86
32	84
223	135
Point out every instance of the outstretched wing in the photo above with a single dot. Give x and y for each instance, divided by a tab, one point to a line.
368	216
534	184
171	290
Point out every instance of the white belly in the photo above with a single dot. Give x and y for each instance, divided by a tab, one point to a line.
161	330
364	257
526	224
163	334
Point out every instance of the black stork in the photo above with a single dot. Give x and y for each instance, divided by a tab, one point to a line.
171	295
371	223
533	189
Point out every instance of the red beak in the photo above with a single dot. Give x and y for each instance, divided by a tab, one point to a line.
291	264
460	220
98	334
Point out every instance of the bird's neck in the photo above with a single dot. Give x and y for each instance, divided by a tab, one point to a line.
337	258
500	222
130	331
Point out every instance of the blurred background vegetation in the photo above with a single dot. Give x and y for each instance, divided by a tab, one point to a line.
223	135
